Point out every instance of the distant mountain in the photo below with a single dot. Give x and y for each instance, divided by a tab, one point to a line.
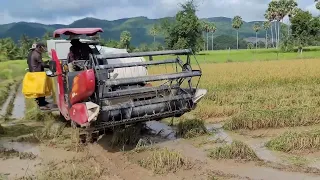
138	27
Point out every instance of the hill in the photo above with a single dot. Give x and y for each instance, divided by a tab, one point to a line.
138	26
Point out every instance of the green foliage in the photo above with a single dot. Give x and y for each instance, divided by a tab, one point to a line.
154	31
287	45
125	39
8	48
144	47
25	43
157	46
304	27
47	36
266	25
256	27
111	43
226	42
139	27
250	46
237	22
186	31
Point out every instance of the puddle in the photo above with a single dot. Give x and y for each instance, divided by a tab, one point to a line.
16	168
257	172
243	170
6	103
162	129
21	147
19	105
262	152
256	144
219	133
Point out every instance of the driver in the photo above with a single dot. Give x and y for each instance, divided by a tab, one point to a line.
77	51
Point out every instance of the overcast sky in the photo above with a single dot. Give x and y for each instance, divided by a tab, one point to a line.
66	11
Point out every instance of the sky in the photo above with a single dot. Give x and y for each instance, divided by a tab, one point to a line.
67	11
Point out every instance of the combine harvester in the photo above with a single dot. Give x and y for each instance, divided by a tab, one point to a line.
113	88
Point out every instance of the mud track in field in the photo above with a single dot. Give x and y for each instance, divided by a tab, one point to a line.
119	164
100	160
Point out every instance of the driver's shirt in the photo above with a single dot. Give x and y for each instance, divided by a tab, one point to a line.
36	62
71	57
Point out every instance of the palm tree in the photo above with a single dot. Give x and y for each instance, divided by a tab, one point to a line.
269	17
204	26
292	7
266	26
256	27
273	10
154	32
213	29
208	29
278	9
237	22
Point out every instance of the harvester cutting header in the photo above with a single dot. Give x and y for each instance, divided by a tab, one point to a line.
107	87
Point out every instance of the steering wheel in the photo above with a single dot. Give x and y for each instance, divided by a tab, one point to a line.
82	64
78	63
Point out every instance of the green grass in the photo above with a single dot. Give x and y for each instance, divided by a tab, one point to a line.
18	130
254	55
248	55
11	72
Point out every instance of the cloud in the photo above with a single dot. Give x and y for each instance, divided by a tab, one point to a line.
66	11
312	9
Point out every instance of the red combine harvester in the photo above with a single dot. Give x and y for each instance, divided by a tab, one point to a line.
112	87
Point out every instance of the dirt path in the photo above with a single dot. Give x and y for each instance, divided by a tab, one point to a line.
118	165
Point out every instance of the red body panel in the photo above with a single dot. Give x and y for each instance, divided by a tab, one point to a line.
79	114
83	86
60	99
76	31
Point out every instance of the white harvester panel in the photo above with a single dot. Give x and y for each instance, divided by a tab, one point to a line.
62	48
124	72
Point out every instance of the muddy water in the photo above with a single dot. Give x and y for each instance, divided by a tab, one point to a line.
162	129
219	133
241	170
21	147
258	145
16	168
19	105
6	103
257	172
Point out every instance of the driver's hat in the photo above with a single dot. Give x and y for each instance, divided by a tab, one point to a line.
34	45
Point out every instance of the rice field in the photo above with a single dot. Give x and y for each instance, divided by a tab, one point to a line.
261	96
11	72
244	95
